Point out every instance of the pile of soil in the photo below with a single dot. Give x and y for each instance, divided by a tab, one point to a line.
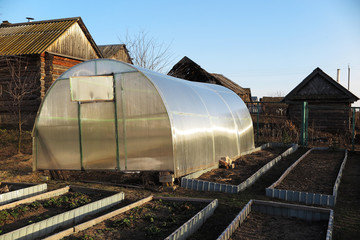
245	166
153	220
316	173
262	226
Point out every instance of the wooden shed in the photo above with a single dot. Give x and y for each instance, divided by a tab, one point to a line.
46	50
329	103
189	70
116	52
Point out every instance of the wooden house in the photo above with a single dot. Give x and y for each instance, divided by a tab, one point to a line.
189	70
116	51
328	102
46	49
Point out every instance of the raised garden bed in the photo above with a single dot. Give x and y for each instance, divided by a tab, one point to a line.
248	168
11	192
41	217
150	218
312	179
271	220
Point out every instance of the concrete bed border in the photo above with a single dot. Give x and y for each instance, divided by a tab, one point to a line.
281	209
306	197
182	232
22	193
74	216
190	182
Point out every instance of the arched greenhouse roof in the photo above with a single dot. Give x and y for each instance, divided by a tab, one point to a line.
105	114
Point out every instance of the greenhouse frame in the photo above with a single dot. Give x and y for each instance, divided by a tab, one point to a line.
104	114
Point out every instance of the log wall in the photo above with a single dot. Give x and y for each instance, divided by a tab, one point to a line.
31	102
52	66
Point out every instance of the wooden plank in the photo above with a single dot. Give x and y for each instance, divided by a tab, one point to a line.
35	198
97	220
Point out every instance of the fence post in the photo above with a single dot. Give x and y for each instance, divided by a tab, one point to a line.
353	129
257	122
304	124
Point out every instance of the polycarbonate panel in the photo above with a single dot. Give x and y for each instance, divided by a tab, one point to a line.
98	135
193	143
56	130
148	130
179	96
243	120
91	88
108	66
222	121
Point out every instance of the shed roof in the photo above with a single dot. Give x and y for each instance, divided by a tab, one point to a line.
320	87
110	50
35	37
189	70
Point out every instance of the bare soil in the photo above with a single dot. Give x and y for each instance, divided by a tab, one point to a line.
316	173
154	220
262	226
346	224
347	208
245	166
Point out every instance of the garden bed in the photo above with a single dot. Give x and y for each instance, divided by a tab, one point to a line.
22	215
248	168
262	226
155	219
245	166
311	179
271	220
41	217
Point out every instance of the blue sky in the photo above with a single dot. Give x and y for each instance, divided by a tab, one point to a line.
268	46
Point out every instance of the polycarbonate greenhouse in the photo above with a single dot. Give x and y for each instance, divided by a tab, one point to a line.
108	115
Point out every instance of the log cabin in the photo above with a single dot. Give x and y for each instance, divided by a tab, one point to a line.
328	103
46	49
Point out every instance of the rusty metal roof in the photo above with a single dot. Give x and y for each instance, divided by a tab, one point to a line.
36	37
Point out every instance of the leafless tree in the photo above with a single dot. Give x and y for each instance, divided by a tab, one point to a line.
147	51
23	83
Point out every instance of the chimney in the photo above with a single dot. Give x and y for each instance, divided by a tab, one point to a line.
338	75
30	19
5	23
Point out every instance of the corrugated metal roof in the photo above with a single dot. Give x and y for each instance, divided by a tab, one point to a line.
32	37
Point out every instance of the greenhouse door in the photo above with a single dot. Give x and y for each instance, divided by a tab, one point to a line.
96	118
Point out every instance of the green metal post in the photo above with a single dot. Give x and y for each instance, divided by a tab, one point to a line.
353	129
80	137
124	119
257	122
304	115
306	123
116	126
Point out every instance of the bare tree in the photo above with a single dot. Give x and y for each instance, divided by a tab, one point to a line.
147	51
22	84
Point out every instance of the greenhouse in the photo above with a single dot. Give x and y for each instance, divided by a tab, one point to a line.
108	115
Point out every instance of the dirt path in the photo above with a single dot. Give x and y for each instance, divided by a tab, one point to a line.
316	173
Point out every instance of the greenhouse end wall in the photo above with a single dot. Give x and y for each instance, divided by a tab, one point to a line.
107	115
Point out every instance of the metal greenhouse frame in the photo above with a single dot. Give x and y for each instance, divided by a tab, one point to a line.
108	115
